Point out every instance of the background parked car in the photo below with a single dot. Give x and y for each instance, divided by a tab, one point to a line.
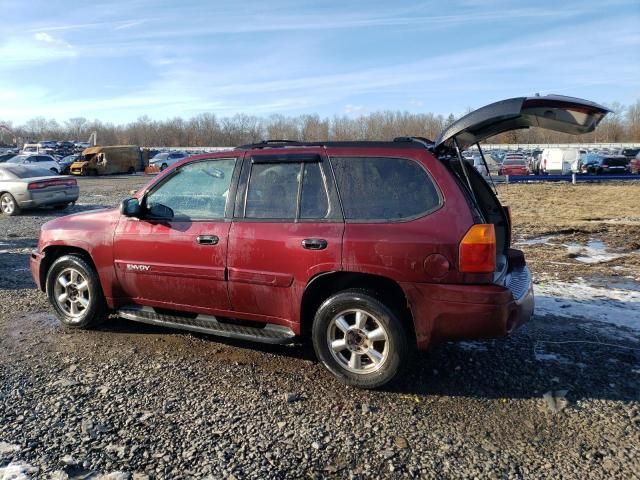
6	156
514	166
36	160
65	163
166	159
634	164
599	164
558	161
478	164
30	187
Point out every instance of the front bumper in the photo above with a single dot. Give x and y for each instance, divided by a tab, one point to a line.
34	262
470	312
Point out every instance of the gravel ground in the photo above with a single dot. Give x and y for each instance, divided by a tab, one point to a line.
135	401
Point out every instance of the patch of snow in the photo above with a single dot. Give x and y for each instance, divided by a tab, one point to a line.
472	346
549	357
536	240
17	471
594	252
615	306
8	448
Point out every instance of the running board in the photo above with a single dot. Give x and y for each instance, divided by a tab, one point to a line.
271	333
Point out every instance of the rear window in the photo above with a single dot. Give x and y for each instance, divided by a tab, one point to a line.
514	162
380	188
27	172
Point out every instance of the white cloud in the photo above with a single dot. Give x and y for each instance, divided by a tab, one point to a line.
44	37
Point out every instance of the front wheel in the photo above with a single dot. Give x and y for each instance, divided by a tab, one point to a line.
163	166
360	339
74	291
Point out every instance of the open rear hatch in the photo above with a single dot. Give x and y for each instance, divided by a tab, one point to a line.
552	112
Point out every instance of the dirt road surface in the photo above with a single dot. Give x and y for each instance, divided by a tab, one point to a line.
560	398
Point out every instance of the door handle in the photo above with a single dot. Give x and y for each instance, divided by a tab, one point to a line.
314	243
207	239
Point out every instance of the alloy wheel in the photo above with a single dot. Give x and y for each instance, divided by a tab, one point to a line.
358	341
7	204
71	292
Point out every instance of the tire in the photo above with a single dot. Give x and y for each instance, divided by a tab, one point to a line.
75	271
61	207
54	171
163	166
8	205
377	362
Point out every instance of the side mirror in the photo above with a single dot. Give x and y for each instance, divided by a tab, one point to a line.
160	212
130	207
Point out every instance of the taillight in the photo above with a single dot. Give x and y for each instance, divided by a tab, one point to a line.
478	249
52	183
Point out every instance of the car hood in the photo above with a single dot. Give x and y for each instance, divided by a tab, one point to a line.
95	219
552	112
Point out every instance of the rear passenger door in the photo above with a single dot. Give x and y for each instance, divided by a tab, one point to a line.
287	228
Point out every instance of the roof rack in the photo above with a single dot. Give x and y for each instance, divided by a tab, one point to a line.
404	142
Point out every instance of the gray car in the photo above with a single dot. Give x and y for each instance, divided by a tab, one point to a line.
30	187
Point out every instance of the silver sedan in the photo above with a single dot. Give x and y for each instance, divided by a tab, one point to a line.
30	187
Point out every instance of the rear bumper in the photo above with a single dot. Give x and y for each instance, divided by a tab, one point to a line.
470	311
40	199
35	261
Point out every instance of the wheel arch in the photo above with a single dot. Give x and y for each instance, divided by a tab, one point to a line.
326	284
53	252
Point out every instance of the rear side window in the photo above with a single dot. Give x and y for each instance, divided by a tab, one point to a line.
287	191
380	188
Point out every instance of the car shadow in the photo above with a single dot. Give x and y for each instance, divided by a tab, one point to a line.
14	258
548	354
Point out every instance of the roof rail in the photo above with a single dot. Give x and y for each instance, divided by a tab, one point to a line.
403	142
271	143
428	144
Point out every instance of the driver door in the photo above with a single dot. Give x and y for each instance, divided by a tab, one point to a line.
180	263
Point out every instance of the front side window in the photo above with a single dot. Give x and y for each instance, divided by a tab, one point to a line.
196	191
380	188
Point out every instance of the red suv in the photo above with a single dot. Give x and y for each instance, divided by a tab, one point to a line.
370	249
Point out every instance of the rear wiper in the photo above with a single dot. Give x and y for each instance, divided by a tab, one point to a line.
484	160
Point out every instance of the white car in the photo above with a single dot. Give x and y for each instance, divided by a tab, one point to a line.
166	159
36	160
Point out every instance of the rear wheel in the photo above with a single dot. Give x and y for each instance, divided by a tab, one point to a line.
131	171
74	291
360	339
8	205
163	166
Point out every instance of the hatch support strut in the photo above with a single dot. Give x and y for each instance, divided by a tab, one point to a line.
484	160
463	166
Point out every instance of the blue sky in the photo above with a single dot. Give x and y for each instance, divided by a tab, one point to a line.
117	61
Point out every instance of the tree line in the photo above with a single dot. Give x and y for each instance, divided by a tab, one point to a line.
210	130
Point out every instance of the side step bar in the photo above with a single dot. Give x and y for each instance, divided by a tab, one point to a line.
275	334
